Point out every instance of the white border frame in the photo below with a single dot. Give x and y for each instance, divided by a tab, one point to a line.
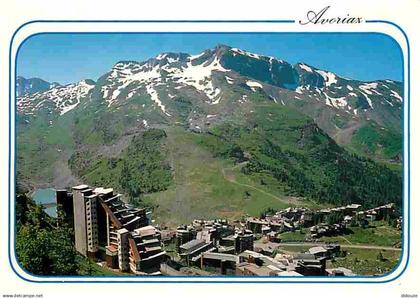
243	26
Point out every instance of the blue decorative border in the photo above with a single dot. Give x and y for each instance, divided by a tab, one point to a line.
199	279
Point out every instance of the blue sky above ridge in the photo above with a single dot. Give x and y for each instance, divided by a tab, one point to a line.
67	58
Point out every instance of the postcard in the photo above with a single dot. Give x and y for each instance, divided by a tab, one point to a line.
152	153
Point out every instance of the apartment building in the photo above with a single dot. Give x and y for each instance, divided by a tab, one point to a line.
85	220
107	228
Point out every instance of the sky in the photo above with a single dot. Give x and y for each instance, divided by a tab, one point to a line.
67	58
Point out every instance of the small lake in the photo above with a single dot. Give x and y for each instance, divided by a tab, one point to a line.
45	196
51	211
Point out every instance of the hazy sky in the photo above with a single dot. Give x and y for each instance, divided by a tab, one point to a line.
67	58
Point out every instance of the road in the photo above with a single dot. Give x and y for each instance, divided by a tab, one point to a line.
362	246
232	180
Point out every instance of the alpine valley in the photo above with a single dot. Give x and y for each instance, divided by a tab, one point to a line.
222	133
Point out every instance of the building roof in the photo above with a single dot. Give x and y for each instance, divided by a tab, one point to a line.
288	225
150	241
131	221
104	191
305	256
257	221
162	253
275	268
353	206
80	187
288	273
123	230
197	257
220	256
146	231
153	248
90	196
117	196
226	248
345	271
317	249
111	249
191	244
249	253
256	270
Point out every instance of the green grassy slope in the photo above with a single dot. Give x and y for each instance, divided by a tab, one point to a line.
367	261
40	144
206	186
260	155
377	141
140	168
289	147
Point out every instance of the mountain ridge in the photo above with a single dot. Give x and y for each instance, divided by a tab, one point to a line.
219	79
218	90
309	76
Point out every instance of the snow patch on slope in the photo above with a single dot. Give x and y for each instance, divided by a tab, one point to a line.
253	85
193	57
150	74
370	88
305	67
64	98
396	95
242	52
368	100
155	97
337	102
229	80
199	77
329	77
300	89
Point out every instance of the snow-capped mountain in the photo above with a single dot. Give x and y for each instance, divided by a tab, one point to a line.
173	71
198	73
338	92
199	90
60	99
32	85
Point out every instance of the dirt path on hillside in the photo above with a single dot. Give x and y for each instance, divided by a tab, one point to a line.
231	178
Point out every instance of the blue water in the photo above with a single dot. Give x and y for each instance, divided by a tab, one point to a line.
46	196
51	211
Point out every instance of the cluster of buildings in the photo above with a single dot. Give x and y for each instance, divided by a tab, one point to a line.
355	217
209	237
324	229
377	213
282	221
106	228
121	236
317	221
291	219
217	247
252	263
